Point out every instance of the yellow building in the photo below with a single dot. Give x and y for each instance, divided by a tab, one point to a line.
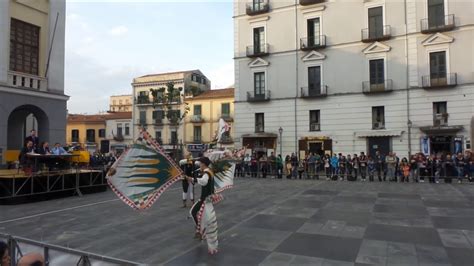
203	119
120	103
86	130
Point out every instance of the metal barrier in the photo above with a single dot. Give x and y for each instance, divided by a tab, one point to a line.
56	255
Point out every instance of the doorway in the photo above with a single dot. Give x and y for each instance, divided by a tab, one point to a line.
381	144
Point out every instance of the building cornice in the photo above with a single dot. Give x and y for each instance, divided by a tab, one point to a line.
33	93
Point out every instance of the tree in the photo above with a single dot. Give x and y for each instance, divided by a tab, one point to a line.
169	99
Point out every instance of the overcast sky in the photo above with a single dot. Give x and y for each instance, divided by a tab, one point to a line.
108	43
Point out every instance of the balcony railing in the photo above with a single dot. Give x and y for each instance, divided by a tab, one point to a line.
256	51
314	126
314	92
197	139
257	8
376	34
23	80
378	125
158	122
440	119
259	97
197	119
227	117
373	87
313	42
439	80
310	2
430	25
143	100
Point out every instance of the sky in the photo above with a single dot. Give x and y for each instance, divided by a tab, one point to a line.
109	42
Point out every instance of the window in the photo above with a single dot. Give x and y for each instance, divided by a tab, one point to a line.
74	135
378	117
435	13
158	115
143	93
377	74
440	113
174	137
119	129
197	134
259	40
259	83
259	122
127	129
24	47
114	102
90	135
158	137
225	109
438	65
314	124
101	133
313	32
258	4
197	109
375	22
314	80
142	120
120	102
174	115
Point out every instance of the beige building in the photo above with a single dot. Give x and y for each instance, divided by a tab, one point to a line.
120	103
32	72
352	76
151	115
202	122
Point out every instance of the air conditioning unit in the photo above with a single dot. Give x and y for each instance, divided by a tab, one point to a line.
315	127
441	119
378	125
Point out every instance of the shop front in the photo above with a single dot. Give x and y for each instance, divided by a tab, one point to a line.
379	140
260	143
317	145
441	140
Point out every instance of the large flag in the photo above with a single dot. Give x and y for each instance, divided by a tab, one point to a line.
143	173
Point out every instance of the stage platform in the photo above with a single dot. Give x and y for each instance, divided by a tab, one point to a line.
17	186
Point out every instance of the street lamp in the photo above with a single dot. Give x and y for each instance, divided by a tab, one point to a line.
280	130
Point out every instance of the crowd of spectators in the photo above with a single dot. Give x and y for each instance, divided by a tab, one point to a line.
381	167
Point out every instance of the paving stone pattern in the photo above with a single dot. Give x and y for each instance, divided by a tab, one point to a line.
270	222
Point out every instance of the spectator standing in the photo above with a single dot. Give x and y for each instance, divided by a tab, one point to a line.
311	161
459	162
342	167
430	164
253	166
334	166
467	167
279	166
5	254
294	164
404	170
247	164
438	168
317	165
301	168
349	167
414	168
421	167
33	138
363	165
288	167
372	168
379	165
327	166
355	166
264	165
272	164
391	162
449	169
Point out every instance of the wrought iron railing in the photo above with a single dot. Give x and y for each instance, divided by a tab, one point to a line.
311	92
258	50
258	97
376	87
313	42
438	24
439	80
376	34
257	7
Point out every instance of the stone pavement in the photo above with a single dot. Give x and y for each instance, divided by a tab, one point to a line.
270	222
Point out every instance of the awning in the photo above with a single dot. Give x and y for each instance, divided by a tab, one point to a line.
378	133
441	130
260	135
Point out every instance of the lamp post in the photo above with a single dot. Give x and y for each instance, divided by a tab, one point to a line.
280	130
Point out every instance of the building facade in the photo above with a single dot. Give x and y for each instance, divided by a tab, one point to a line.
118	130
352	76
202	122
152	115
87	131
31	71
120	103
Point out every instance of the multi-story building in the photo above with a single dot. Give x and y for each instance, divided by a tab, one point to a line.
202	122
118	130
88	131
32	37
351	76
120	103
153	115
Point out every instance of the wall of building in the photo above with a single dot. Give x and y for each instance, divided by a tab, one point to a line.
83	127
120	103
111	130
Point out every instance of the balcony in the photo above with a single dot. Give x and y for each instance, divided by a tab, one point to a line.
313	42
227	117
257	8
197	119
257	51
143	99
372	87
377	34
158	122
261	97
439	80
439	24
23	80
310	2
314	92
440	119
141	122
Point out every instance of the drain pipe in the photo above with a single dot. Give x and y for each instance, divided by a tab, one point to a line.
296	80
409	123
